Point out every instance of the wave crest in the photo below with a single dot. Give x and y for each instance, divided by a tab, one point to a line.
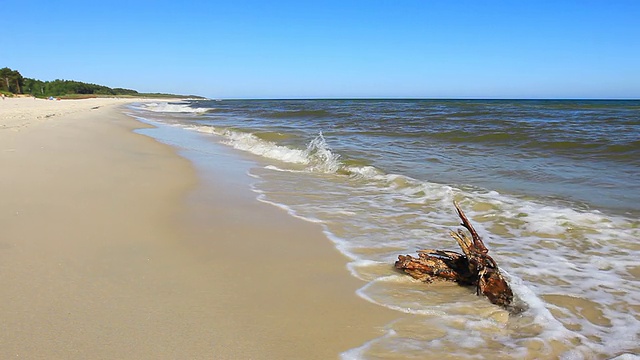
321	157
165	107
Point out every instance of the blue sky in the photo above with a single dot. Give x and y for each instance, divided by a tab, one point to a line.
337	49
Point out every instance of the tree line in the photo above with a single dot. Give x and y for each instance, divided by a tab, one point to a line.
12	82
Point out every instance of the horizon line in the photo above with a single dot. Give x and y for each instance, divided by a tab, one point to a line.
425	98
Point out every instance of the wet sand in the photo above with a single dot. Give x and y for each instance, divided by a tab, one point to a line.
113	246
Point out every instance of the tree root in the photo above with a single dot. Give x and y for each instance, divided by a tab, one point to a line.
474	267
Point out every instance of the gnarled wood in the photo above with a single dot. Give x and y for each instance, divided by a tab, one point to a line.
474	267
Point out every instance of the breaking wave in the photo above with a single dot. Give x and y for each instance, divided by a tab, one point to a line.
318	156
166	107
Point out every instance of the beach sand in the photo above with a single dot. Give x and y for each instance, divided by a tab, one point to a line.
114	247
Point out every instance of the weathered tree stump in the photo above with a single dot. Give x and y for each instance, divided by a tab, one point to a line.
472	268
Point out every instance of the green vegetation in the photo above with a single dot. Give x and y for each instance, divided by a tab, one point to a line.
12	82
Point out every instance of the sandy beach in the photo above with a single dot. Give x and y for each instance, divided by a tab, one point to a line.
112	246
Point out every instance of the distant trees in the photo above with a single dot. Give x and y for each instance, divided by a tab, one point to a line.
34	87
11	81
65	87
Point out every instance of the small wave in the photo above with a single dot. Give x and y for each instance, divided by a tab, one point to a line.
290	211
318	156
275	168
321	157
253	144
165	107
360	352
362	292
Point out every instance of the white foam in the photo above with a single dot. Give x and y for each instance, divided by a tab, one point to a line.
539	245
359	352
251	143
321	157
369	172
375	217
290	211
626	356
363	263
318	156
165	107
362	292
275	168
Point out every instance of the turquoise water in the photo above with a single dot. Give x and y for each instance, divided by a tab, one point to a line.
552	186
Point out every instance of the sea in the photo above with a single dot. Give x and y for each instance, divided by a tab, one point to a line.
552	186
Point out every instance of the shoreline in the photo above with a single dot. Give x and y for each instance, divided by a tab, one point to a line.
114	246
291	286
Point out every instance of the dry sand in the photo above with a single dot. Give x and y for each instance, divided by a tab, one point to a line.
112	248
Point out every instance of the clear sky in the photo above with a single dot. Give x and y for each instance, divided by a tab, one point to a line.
310	49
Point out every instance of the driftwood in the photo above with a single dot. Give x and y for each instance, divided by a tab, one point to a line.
472	268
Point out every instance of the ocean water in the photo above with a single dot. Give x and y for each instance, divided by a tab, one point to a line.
553	188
